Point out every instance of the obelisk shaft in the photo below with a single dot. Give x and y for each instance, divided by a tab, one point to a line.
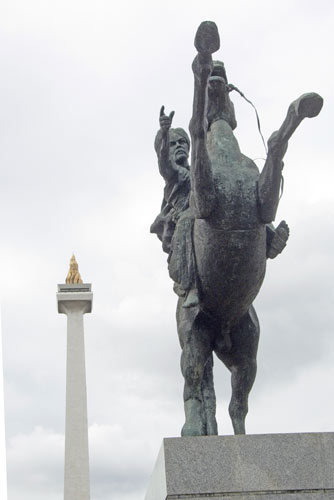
75	300
76	479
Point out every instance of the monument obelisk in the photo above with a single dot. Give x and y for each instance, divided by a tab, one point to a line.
75	299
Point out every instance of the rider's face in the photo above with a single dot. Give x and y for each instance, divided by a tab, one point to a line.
178	148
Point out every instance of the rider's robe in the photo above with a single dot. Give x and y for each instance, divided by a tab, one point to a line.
174	226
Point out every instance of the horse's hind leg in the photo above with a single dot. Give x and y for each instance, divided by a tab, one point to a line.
241	361
196	352
209	400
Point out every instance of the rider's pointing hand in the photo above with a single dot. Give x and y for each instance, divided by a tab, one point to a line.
164	120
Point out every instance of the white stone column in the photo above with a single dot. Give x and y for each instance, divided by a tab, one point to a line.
75	300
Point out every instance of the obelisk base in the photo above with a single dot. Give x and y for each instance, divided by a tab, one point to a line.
251	467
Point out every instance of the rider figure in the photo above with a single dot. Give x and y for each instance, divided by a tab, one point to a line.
172	147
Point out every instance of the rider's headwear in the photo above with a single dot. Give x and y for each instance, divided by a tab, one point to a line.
182	133
179	131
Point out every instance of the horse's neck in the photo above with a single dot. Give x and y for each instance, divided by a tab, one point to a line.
222	145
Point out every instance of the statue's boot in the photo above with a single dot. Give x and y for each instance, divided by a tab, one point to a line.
192	299
279	240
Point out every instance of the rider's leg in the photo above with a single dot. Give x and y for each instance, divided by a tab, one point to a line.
189	273
196	350
182	265
241	361
307	106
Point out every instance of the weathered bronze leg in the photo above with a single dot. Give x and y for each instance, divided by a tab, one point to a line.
196	352
306	106
209	400
242	379
206	42
241	361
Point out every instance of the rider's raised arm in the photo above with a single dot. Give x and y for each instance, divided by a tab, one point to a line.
161	144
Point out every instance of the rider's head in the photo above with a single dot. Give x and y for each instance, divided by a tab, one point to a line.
179	145
219	104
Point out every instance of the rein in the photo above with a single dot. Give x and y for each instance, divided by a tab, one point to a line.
230	88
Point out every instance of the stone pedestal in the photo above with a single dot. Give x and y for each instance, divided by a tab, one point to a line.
251	467
74	301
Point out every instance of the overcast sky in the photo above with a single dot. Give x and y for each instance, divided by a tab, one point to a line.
81	86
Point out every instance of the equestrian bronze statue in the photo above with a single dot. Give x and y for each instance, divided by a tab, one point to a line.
216	224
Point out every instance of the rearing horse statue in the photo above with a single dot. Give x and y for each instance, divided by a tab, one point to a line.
225	221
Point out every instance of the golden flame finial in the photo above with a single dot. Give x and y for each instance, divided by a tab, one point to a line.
73	275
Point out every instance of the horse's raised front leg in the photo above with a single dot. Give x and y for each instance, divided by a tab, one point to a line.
307	106
206	42
196	353
241	361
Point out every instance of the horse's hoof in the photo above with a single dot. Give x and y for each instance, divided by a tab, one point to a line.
188	430
194	425
211	427
207	38
308	105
